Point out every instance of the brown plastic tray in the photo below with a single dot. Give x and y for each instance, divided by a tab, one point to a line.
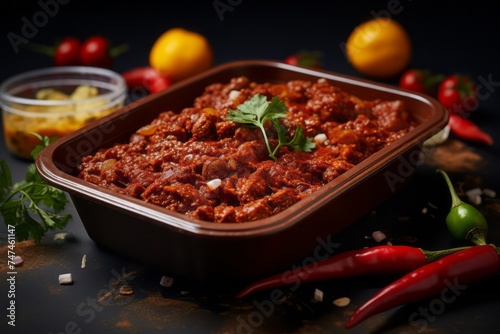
206	252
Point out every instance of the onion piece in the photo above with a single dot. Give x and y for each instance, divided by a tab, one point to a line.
65	278
320	138
214	184
318	295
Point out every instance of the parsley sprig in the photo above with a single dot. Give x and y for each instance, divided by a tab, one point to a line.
256	111
31	205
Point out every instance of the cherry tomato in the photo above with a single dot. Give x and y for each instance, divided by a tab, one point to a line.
67	52
421	81
95	52
313	59
457	93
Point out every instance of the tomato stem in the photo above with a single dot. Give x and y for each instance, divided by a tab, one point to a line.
118	50
44	49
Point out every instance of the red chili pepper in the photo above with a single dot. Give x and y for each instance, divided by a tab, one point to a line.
379	260
454	271
146	77
466	129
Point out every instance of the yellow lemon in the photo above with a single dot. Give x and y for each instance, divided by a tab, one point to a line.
181	53
379	48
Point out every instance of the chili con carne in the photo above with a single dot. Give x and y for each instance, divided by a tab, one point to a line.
381	260
457	270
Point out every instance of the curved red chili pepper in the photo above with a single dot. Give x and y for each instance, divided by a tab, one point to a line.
461	268
466	129
379	260
146	77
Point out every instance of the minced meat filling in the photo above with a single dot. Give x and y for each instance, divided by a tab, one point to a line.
197	163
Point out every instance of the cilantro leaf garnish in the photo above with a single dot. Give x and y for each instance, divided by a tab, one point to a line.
31	205
256	111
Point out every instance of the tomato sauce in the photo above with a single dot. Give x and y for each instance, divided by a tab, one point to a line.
198	163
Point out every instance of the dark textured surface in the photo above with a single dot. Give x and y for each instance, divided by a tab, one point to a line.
446	38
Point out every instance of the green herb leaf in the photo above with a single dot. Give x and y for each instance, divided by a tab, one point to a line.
256	111
301	142
5	180
31	205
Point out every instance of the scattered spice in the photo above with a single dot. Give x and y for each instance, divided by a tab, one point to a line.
342	302
123	324
105	296
35	256
455	156
126	290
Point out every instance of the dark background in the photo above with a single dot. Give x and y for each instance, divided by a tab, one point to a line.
447	37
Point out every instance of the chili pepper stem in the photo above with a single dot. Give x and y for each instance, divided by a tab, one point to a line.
455	200
432	256
477	236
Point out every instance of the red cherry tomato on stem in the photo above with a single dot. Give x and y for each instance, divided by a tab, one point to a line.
313	59
95	52
457	93
67	52
421	81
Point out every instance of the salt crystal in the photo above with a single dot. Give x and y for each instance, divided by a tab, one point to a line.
318	295
489	193
166	281
378	236
476	200
65	279
473	192
17	261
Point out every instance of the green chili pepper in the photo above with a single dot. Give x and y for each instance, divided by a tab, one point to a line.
464	221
